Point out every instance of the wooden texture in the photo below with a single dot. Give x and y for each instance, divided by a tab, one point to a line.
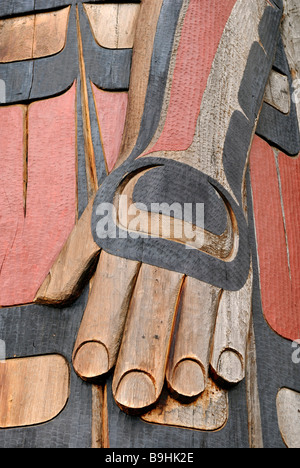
214	150
231	333
253	399
73	266
278	92
113	25
98	341
26	399
33	36
45	77
11	178
199	31
140	370
276	177
176	228
141	62
91	172
209	412
111	110
227	176
50	198
278	123
288	409
188	364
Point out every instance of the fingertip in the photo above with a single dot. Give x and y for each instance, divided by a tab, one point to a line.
91	361
230	367
188	379
135	392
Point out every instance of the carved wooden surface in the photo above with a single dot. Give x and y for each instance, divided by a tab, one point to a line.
33	36
154	325
43	204
33	390
113	25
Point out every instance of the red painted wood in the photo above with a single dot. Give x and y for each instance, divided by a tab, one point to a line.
51	198
111	109
11	175
201	33
276	199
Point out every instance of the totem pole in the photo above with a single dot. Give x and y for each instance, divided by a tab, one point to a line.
150	193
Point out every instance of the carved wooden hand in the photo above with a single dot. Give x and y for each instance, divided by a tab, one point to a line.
157	308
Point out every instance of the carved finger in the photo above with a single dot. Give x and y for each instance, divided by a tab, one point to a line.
188	365
73	266
141	366
100	333
231	334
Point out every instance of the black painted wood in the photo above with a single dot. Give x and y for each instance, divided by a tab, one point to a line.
46	77
20	7
38	330
131	432
171	255
281	130
251	94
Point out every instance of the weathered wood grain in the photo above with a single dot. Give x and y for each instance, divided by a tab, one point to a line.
98	341
11	174
33	390
113	25
90	163
253	398
188	364
288	410
141	366
219	162
74	265
179	227
231	333
45	77
276	177
277	92
141	63
111	110
209	412
33	36
279	125
199	31
51	198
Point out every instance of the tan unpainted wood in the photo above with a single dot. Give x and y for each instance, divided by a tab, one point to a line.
140	69
100	332
100	430
209	412
73	266
290	28
141	365
113	24
33	390
253	403
288	412
277	92
33	36
188	365
231	333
